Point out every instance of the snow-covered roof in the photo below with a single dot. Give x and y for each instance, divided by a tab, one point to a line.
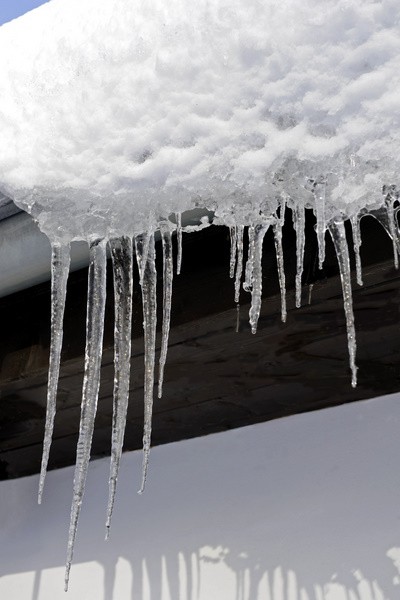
153	107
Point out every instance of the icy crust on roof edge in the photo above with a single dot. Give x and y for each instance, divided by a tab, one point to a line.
115	110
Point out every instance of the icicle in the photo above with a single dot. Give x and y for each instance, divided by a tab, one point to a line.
338	233
277	229
239	262
179	237
386	217
256	277
355	227
233	237
310	291
248	276
168	273
142	242
121	254
60	262
319	195
299	223
91	382
149	326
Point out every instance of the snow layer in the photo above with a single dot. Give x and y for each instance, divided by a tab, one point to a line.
154	107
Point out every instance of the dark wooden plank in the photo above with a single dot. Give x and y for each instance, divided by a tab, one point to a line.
216	379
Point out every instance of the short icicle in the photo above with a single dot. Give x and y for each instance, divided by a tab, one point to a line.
179	238
239	262
60	263
149	326
319	195
393	229
355	227
386	217
121	254
232	262
168	273
299	223
338	233
256	289
91	382
248	275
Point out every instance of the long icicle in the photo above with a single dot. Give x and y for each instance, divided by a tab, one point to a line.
91	382
239	262
319	195
277	229
179	237
121	254
355	227
149	325
60	263
299	223
232	262
338	233
168	274
256	277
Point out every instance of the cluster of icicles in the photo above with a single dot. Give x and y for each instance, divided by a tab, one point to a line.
246	274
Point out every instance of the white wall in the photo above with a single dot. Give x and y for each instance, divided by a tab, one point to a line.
303	508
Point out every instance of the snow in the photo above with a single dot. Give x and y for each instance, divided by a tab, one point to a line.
117	117
300	508
116	113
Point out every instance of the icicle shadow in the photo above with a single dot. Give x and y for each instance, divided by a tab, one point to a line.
60	263
168	274
149	299
338	233
121	254
91	382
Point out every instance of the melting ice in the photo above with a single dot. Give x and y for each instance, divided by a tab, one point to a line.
117	122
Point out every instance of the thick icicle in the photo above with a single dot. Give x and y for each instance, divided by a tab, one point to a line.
338	233
149	326
91	382
277	229
142	241
248	276
121	254
299	222
168	273
179	237
60	262
256	277
355	227
232	262
239	261
319	195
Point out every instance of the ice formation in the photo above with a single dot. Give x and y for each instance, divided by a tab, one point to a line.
118	116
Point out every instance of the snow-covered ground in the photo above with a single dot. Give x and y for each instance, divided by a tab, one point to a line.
301	508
